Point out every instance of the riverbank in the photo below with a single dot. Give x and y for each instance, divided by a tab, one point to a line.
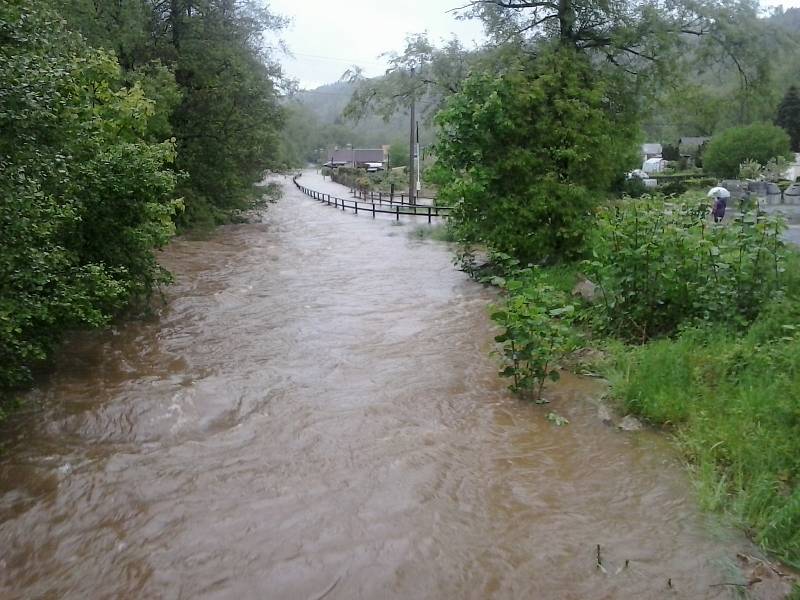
733	404
729	395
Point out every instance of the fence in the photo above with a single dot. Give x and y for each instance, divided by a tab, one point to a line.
397	209
351	180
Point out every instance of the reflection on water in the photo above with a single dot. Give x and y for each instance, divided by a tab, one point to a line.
315	414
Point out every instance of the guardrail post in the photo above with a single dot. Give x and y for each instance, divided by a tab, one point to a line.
397	212
429	214
373	210
356	208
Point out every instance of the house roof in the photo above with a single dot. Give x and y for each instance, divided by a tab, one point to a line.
357	155
651	148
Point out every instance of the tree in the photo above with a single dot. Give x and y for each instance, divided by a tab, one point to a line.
653	43
206	65
438	73
398	153
759	142
524	154
789	117
85	198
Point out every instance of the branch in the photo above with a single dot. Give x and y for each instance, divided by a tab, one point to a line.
509	4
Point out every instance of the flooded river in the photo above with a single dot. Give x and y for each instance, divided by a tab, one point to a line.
314	414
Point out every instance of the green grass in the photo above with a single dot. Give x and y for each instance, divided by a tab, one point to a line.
733	401
562	277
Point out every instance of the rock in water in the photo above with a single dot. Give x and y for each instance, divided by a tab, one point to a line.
604	414
630	423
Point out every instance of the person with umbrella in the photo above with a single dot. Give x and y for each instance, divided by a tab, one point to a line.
720	195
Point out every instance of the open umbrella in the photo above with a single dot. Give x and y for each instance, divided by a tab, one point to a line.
718	192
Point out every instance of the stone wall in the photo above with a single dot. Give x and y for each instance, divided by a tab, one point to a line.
765	191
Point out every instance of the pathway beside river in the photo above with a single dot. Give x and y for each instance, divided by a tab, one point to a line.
315	414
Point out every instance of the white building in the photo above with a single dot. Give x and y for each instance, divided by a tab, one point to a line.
654	165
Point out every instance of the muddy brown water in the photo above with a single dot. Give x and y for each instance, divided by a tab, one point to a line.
315	414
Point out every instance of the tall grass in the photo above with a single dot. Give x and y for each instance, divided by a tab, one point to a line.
734	402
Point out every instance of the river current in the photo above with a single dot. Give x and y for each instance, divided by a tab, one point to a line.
314	413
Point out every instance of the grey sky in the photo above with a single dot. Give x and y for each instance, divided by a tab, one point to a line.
327	37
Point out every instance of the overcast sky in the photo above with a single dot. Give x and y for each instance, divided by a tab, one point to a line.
327	37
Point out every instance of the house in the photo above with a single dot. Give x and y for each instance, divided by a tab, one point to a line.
367	158
690	146
651	151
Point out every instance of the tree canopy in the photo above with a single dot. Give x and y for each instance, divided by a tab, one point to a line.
759	142
85	197
119	119
523	154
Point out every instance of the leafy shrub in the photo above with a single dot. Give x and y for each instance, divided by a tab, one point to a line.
536	321
634	187
673	188
759	142
660	265
700	182
751	169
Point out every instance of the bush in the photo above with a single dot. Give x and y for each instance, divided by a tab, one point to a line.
634	187
84	199
660	265
673	188
536	321
759	142
700	182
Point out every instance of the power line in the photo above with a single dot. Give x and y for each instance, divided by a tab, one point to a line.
337	59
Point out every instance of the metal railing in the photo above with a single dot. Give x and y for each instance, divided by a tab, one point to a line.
374	208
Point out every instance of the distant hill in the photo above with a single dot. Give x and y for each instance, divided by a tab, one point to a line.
315	122
327	103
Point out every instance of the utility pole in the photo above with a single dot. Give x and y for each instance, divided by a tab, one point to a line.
418	156
412	179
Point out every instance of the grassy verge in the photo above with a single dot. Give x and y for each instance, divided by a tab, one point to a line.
734	404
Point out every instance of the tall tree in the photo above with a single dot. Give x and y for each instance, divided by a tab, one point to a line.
438	73
224	113
524	153
653	42
789	116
